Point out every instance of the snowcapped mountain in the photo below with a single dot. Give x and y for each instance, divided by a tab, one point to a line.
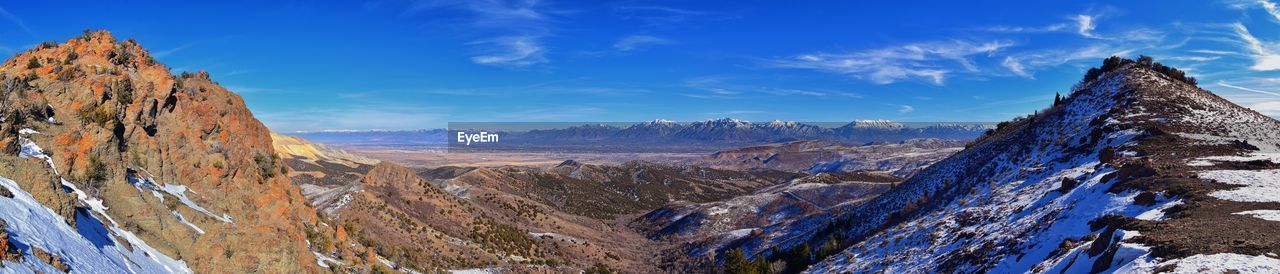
651	129
875	124
1138	170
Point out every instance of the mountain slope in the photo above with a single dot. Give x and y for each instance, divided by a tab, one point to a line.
900	159
291	147
1137	171
174	169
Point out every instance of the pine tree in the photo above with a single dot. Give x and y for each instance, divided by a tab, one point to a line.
1057	98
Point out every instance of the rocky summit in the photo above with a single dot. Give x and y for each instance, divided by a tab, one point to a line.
113	164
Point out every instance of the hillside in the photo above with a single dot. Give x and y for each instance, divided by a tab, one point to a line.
291	147
1138	170
112	164
901	159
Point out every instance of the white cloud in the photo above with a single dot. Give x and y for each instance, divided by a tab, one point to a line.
1270	8
1038	59
1018	29
1192	58
1225	84
1085	25
518	51
635	42
520	27
1264	58
1263	101
17	21
1014	66
664	16
359	116
1215	52
904	109
930	62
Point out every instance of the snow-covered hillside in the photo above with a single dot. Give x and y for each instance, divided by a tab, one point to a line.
1136	172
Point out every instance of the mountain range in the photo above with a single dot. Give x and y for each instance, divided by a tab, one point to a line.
112	164
656	135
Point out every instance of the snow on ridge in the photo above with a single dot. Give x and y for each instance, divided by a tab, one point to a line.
1020	207
1255	156
85	248
141	250
1203	263
184	221
1265	214
1157	214
1256	185
175	190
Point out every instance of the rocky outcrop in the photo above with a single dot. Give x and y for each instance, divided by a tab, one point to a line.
178	160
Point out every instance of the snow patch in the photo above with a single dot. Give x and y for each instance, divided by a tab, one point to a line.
89	247
184	221
1269	215
1257	185
1157	214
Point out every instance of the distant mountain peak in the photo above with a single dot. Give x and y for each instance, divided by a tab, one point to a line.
876	124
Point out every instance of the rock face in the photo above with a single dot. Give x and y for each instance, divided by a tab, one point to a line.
178	161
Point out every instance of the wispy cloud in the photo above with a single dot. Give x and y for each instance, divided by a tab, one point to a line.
552	113
720	87
355	116
930	61
17	21
245	89
1258	91
1085	25
188	45
658	16
904	109
1266	102
1263	55
635	42
516	51
165	53
1270	8
1025	63
1193	58
1019	29
1007	102
1014	66
520	27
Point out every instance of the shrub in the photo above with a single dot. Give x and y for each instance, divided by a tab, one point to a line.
266	166
33	63
96	175
735	261
68	73
1113	62
97	114
120	56
123	89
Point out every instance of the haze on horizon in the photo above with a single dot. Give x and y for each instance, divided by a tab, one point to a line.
421	64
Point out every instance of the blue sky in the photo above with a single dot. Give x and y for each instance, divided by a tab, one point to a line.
400	64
